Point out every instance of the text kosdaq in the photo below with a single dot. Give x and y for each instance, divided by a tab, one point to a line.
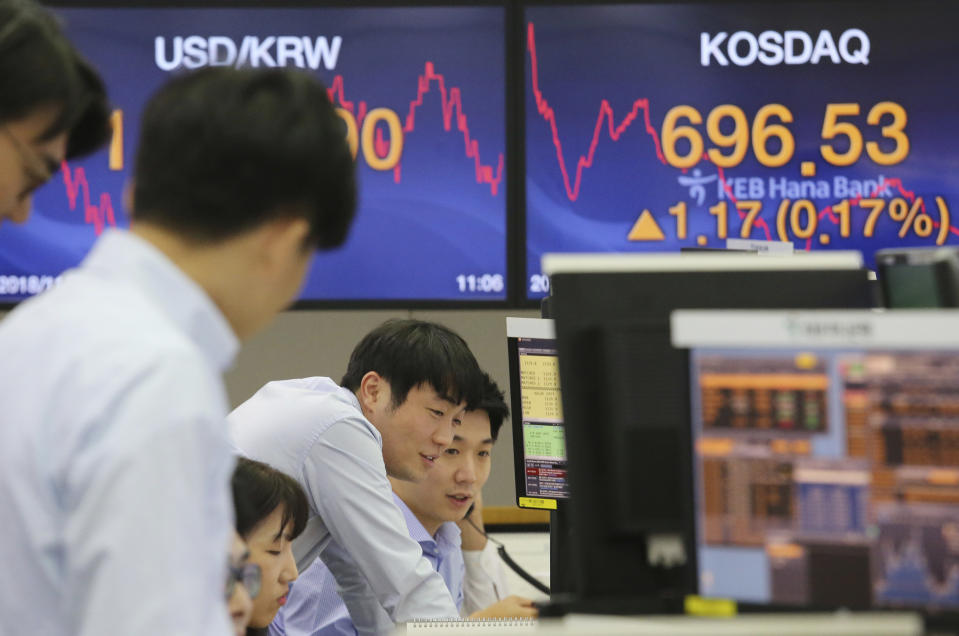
772	48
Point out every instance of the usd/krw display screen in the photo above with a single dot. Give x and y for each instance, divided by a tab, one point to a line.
662	126
421	93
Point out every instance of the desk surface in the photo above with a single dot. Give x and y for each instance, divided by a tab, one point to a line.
836	624
512	515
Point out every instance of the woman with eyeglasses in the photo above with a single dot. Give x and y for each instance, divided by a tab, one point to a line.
271	511
242	585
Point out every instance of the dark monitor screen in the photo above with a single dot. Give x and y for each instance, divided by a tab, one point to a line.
421	91
539	440
911	287
625	403
919	277
826	457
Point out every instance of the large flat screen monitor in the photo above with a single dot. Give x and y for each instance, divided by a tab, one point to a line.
422	94
625	396
653	126
539	441
826	456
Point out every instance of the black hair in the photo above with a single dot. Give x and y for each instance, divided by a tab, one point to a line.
494	404
40	68
224	150
408	353
257	491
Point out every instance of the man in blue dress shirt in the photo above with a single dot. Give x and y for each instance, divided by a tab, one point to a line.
407	384
431	508
114	456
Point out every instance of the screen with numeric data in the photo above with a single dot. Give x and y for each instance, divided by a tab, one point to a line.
828	476
539	437
544	441
662	126
420	90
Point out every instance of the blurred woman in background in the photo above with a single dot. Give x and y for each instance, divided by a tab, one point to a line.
271	511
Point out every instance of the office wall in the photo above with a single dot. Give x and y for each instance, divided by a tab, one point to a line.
306	343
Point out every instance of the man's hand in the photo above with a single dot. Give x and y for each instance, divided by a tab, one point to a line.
471	538
509	607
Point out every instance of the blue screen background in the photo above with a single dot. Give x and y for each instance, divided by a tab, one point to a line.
605	58
415	233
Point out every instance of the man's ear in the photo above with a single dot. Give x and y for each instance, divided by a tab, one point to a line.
373	390
128	202
281	237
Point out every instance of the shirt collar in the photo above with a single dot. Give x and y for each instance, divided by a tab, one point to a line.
446	538
121	255
355	401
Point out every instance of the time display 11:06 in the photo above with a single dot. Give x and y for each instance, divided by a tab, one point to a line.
484	283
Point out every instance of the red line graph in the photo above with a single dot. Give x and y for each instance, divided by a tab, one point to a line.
98	215
451	100
615	131
605	113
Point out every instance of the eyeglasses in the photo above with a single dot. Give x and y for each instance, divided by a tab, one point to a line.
248	575
34	167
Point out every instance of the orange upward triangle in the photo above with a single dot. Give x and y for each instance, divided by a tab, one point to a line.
646	229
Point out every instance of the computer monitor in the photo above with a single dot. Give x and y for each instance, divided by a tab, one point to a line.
826	465
919	277
421	89
648	125
625	401
539	442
